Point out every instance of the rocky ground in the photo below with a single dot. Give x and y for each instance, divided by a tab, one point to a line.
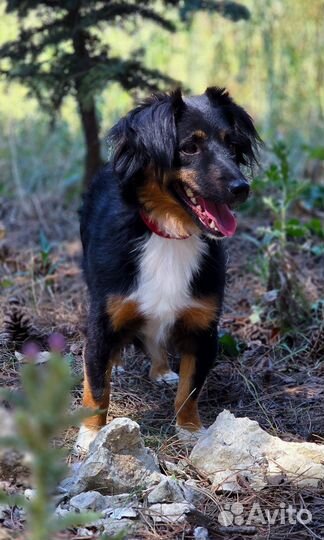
274	381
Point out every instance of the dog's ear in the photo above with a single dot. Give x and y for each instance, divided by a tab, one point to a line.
147	135
242	124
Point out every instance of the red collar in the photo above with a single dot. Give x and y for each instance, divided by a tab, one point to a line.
154	227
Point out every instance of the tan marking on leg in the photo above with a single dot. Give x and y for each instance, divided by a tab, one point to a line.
200	316
122	312
96	421
160	369
186	407
159	365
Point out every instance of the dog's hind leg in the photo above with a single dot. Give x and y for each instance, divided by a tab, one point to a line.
160	370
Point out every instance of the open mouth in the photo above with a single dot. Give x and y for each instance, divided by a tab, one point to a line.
216	218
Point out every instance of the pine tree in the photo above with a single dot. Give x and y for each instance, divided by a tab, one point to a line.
59	52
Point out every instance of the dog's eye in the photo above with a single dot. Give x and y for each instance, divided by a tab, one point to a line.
190	148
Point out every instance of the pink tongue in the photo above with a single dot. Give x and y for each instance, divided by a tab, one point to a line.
221	214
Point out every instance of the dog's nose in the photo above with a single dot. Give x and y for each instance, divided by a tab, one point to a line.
239	189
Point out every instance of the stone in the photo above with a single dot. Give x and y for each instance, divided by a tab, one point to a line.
120	434
90	500
168	490
170	512
61	511
66	486
239	447
117	463
189	437
112	527
201	533
29	494
121	513
95	501
83	532
192	493
4	511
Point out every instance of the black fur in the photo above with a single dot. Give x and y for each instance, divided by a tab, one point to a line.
155	136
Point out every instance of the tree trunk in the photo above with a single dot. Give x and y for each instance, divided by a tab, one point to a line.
90	129
87	107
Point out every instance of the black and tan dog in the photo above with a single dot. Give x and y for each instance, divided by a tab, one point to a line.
151	227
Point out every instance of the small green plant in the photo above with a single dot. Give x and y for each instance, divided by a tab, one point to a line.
283	276
45	264
228	344
40	416
286	191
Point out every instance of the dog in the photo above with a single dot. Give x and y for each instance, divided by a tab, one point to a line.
152	224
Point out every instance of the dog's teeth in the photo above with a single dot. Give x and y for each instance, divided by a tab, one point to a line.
189	192
193	200
213	225
199	208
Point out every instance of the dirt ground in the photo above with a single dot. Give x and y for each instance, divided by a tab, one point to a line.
276	381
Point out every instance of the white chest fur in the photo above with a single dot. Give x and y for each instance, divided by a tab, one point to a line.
166	270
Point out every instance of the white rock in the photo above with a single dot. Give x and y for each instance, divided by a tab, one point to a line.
168	490
83	532
238	446
192	493
117	463
200	533
61	510
171	468
121	513
7	423
120	501
120	434
30	494
4	511
189	437
41	357
90	500
112	527
170	512
66	486
85	438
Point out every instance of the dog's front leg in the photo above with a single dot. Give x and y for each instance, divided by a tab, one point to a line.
97	365
196	361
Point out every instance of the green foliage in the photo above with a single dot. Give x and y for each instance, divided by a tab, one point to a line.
286	297
60	50
286	190
45	159
228	344
41	415
45	253
230	10
280	190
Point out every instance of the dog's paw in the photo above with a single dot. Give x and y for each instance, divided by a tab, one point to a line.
189	437
117	369
169	377
84	439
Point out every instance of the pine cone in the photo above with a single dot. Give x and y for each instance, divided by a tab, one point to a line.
17	326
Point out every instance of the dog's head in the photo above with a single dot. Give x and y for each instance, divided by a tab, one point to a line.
182	158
